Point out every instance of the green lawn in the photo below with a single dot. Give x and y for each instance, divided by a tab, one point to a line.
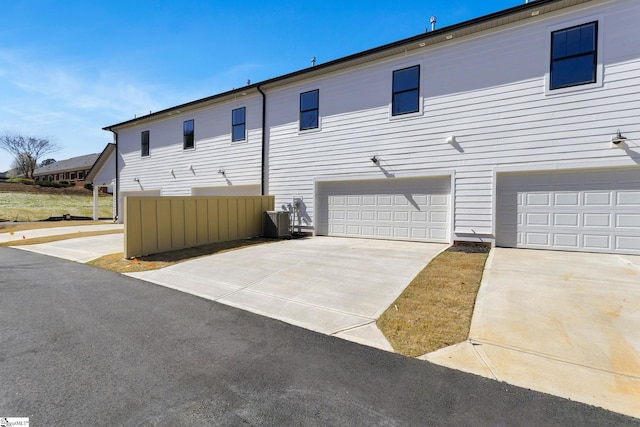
16	206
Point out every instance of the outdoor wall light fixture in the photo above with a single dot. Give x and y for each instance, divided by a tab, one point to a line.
222	172
451	139
375	160
136	179
618	138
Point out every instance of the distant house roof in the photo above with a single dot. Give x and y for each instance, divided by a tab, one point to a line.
72	164
99	163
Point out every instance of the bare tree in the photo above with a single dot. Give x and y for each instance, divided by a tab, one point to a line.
26	150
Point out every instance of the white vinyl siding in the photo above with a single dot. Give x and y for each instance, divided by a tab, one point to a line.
488	91
590	211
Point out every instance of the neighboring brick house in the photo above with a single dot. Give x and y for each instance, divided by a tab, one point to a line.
73	170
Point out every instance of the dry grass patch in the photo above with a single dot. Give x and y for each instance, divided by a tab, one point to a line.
119	264
38	206
435	310
49	239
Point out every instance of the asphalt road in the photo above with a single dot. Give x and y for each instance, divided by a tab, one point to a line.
82	346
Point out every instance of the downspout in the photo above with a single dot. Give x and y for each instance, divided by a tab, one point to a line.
264	142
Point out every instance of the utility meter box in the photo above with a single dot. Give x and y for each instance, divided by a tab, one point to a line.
277	224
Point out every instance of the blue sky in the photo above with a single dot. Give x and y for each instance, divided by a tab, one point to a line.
68	68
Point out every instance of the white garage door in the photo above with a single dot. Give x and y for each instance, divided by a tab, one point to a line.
400	209
590	211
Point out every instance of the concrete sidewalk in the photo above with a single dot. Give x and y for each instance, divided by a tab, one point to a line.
57	231
83	249
337	286
563	323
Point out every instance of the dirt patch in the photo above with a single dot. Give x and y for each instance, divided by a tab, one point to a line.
48	239
435	309
117	262
22	226
18	187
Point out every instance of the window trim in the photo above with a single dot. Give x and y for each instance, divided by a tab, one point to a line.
584	20
243	124
593	53
418	89
143	143
189	136
317	127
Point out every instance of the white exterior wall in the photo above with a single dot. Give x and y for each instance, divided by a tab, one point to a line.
489	91
107	173
198	167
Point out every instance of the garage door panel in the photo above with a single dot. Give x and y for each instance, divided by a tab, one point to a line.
567	199
440	200
566	241
537	218
627	243
419	233
597	242
537	239
596	211
566	219
597	220
368	215
368	230
597	198
404	209
629	198
628	220
438	217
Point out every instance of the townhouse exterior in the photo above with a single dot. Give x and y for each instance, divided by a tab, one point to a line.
519	129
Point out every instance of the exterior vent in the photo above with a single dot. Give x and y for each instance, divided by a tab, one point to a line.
277	224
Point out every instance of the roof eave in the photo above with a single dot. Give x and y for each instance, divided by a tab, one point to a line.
445	34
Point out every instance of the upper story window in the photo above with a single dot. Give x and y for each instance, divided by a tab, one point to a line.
80	175
238	124
309	103
406	91
144	144
574	56
188	134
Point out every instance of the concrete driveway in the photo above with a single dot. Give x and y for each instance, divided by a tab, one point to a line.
82	346
337	286
563	323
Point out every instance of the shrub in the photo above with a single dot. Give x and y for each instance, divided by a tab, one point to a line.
49	184
88	186
27	181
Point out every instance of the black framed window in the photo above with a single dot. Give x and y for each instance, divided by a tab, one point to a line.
309	105
406	91
238	124
144	143
187	134
574	56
